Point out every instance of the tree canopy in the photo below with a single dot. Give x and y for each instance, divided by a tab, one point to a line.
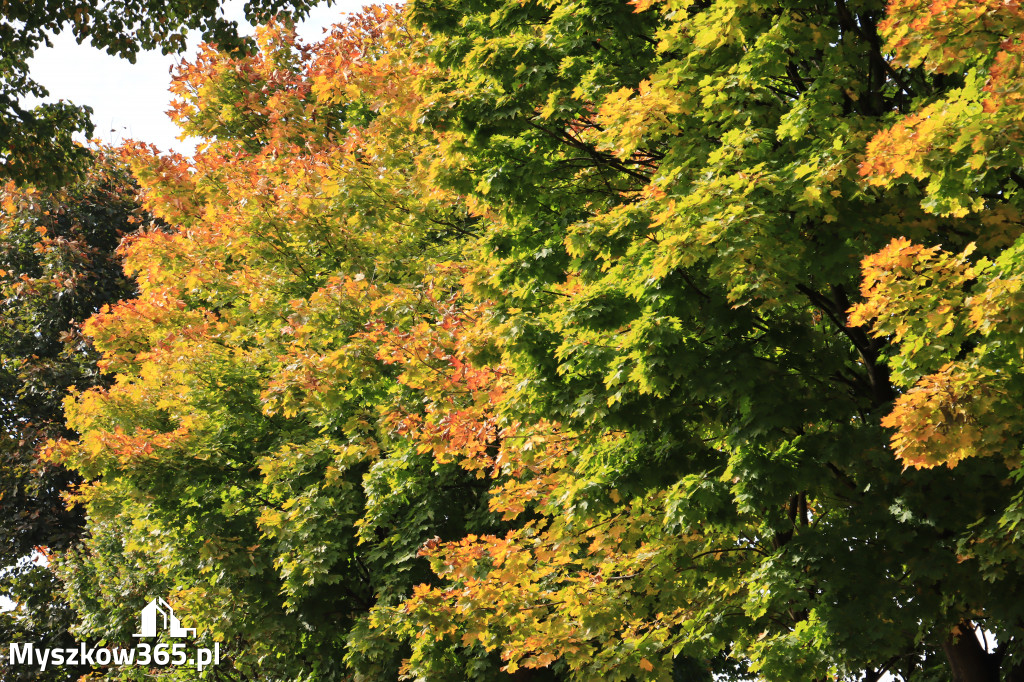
58	265
576	340
682	195
37	145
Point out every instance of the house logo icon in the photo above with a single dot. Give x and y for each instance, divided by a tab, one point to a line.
159	614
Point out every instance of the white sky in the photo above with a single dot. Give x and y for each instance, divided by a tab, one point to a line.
129	101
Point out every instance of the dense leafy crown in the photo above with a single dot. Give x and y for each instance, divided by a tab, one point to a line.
248	458
577	340
679	197
57	267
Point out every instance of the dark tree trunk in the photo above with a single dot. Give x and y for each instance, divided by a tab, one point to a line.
968	661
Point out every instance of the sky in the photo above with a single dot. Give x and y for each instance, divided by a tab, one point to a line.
129	101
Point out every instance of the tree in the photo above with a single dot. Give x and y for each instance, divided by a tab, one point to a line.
571	312
57	267
676	199
247	461
37	143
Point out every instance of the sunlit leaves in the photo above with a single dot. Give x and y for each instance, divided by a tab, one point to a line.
529	337
955	320
673	227
37	145
251	445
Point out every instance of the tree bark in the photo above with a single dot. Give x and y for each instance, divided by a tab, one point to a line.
968	661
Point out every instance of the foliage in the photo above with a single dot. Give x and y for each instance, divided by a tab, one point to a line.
247	462
576	340
675	205
41	616
953	313
37	143
57	267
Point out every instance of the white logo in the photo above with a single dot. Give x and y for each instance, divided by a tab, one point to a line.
167	618
157	615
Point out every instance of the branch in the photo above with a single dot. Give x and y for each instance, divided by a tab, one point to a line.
866	347
598	158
